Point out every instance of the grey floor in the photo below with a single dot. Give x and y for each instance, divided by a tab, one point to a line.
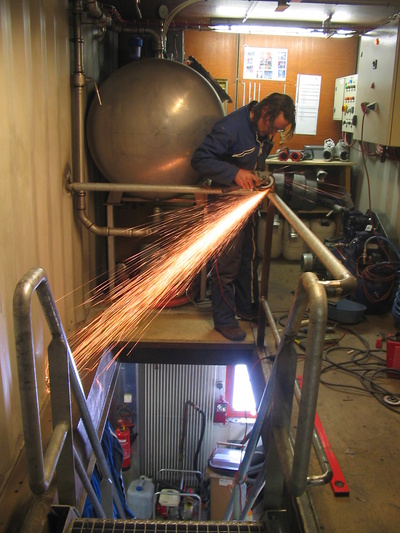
364	435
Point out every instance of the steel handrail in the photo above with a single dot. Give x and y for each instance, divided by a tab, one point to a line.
294	458
41	466
343	282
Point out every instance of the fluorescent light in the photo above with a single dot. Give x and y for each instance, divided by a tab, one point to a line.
277	30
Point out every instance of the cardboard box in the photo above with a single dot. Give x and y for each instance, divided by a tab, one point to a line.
221	488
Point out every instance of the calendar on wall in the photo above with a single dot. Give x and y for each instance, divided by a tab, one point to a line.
265	63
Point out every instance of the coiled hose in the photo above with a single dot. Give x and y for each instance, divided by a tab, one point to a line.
396	303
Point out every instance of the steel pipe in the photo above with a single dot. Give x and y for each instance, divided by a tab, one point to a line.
326	476
38	466
96	12
27	379
271	321
343	282
80	469
309	291
138	187
323	460
79	82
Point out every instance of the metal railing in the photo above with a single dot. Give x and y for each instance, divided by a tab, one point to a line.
287	460
60	452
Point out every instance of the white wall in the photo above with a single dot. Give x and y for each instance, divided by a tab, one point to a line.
37	225
384	180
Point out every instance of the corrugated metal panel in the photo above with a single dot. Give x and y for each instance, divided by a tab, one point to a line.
163	391
36	216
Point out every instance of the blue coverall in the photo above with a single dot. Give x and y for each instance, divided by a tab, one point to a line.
232	144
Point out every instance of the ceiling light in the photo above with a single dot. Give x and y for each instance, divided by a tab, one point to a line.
250	29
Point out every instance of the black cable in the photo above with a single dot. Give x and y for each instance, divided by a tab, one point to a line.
365	366
197	452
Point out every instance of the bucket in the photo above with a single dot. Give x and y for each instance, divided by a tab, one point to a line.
323	228
293	245
276	243
140	497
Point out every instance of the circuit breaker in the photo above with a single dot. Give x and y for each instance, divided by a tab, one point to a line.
349	110
378	93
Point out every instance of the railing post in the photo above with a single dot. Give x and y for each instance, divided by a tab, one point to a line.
27	377
41	466
61	411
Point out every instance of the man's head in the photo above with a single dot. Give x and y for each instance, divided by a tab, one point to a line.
274	113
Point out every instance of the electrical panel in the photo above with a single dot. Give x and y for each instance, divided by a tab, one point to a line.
349	110
378	94
338	99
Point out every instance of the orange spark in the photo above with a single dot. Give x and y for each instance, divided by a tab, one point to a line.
187	239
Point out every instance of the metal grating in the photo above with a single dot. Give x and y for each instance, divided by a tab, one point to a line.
94	525
162	392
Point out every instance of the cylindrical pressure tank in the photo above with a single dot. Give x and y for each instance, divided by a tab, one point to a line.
293	245
153	115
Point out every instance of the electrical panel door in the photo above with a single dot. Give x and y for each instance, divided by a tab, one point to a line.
378	98
338	99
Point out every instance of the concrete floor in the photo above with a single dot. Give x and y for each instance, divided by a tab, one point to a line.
364	434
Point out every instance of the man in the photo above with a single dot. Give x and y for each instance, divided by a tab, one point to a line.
237	145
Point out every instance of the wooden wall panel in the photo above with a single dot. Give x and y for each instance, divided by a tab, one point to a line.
222	55
217	52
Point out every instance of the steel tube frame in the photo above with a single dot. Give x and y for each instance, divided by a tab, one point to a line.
312	292
343	282
41	467
141	188
324	478
80	469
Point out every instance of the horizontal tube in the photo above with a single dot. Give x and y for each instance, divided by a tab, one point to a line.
137	188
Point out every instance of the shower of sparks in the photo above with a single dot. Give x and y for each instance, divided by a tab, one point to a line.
327	191
186	240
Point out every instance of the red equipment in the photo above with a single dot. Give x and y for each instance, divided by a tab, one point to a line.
220	412
124	437
393	355
124	433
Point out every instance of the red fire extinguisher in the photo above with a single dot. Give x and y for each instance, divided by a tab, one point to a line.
124	437
124	433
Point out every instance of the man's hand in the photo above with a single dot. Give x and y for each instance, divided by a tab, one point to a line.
246	179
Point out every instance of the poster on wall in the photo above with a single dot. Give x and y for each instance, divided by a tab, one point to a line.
307	103
265	63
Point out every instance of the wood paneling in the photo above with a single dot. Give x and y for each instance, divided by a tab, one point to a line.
221	54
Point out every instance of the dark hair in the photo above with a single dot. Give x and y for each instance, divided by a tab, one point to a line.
275	104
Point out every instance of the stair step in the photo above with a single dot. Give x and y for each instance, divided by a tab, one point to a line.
96	525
